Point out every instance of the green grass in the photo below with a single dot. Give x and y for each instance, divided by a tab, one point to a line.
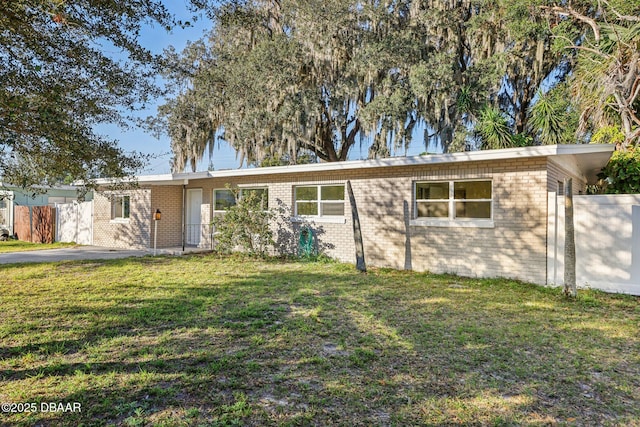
20	246
202	340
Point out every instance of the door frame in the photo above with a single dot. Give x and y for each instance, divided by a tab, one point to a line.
188	212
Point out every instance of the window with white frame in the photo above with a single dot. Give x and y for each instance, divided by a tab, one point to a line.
453	200
223	199
120	207
259	194
319	200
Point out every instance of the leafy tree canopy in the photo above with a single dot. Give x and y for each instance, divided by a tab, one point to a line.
280	78
605	85
60	77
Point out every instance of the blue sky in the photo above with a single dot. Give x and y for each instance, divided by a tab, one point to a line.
157	39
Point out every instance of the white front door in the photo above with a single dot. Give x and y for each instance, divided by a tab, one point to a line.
193	216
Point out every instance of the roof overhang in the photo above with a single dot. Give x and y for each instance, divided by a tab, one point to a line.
161	179
585	164
591	156
588	158
591	165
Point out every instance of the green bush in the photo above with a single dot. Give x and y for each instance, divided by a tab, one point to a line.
608	135
245	226
622	173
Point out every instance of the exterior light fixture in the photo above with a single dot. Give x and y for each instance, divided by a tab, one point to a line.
156	218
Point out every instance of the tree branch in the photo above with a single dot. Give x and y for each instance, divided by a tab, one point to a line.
349	140
568	11
621	17
588	49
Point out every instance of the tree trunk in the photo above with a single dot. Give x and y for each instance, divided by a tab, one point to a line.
357	233
569	242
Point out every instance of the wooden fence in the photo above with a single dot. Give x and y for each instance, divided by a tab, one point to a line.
35	223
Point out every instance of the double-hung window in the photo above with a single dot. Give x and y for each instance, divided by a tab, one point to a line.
454	202
120	207
223	199
319	200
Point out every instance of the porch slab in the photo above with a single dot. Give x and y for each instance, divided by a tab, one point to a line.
177	251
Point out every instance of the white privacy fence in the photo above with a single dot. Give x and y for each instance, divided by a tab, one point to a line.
74	223
607	233
6	210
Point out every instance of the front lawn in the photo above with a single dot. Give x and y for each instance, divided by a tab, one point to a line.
201	340
20	246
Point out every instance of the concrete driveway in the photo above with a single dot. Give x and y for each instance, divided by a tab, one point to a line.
66	254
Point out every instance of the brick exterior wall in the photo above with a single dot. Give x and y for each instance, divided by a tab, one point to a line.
557	173
514	247
335	240
169	200
134	232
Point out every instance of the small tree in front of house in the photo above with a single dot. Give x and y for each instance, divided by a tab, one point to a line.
245	226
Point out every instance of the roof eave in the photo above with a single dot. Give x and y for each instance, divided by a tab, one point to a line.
468	156
601	150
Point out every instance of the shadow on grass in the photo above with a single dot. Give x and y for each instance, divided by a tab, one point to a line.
272	343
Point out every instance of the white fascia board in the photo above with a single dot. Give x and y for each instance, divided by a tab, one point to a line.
468	156
392	162
432	159
578	149
161	179
171	179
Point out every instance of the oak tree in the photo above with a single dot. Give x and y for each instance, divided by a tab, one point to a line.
66	67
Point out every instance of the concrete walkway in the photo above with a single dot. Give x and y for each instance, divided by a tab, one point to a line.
66	254
88	252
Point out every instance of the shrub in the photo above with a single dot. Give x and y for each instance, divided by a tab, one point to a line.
245	226
622	173
608	135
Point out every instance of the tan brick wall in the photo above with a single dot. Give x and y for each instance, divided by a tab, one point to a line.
132	233
515	247
169	200
556	173
336	240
